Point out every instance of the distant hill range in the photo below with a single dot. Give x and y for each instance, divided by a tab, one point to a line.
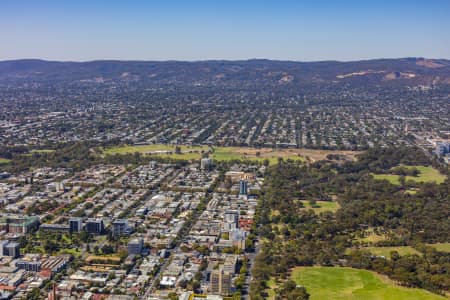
403	71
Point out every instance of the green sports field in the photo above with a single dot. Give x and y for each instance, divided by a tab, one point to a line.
243	153
229	153
443	247
322	206
4	161
226	153
427	174
353	284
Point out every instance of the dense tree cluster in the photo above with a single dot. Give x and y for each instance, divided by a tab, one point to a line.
301	237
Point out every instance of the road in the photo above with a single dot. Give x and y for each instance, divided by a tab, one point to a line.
157	278
251	259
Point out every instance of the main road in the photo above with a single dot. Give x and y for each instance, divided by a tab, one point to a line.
251	259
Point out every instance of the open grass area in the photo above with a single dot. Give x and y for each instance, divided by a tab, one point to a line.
72	251
161	150
371	237
386	251
311	154
443	247
140	149
353	284
66	239
253	154
374	238
411	191
272	285
4	161
182	156
393	179
427	174
229	153
322	206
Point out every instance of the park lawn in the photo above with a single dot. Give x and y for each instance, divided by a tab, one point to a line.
354	284
386	251
411	191
4	161
372	237
152	148
39	249
272	285
273	160
219	153
322	206
242	153
227	153
427	174
393	179
66	238
72	251
442	247
181	156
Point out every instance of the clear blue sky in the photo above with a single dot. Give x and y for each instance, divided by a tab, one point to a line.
303	30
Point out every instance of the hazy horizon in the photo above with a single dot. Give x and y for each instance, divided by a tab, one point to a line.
218	59
224	30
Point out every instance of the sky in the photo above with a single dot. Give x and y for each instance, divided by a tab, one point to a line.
301	30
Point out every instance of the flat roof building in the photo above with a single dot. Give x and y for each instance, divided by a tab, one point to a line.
94	226
135	246
75	224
